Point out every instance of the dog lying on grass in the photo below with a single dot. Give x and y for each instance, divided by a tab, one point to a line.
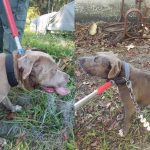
106	65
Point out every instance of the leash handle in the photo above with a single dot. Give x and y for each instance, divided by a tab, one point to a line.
12	26
85	100
10	18
104	87
98	91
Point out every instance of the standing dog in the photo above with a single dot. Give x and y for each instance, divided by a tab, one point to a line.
107	66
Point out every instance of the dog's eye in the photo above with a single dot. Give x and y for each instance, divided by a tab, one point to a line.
96	58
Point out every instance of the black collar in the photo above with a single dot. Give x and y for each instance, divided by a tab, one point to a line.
124	74
10	70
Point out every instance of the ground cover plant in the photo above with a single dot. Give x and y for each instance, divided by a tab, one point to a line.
98	123
40	125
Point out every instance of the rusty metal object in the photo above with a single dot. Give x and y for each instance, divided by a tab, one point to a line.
145	14
140	24
134	29
138	2
122	12
130	24
114	27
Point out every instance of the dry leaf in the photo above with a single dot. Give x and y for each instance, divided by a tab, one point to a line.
86	83
121	132
11	116
103	97
93	29
146	28
108	105
78	73
113	125
94	144
130	47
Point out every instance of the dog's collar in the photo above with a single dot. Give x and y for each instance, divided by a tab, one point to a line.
124	75
9	64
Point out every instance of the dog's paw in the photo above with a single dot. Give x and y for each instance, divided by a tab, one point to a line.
17	108
2	142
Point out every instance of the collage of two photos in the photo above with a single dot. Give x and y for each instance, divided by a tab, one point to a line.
75	74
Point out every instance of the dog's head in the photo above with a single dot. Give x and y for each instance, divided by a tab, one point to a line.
39	68
105	65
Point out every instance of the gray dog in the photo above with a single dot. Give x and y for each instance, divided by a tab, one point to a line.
107	66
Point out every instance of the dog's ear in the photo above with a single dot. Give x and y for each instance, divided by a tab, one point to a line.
26	63
115	66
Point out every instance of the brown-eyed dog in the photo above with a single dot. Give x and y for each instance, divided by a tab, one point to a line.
108	66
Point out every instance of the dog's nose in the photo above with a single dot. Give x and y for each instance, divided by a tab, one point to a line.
81	60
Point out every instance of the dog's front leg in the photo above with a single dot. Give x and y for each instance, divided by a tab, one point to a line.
7	103
128	113
129	109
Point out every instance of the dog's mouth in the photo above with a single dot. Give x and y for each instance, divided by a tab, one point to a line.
86	70
59	90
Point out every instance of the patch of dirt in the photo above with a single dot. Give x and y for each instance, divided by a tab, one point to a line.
98	122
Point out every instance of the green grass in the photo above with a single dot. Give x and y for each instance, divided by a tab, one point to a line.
34	106
60	46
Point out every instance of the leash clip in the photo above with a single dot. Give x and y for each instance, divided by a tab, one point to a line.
129	84
113	82
21	51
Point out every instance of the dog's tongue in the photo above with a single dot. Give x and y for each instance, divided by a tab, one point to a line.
49	89
60	90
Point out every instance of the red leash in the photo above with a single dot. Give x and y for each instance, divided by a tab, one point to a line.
10	18
12	26
98	91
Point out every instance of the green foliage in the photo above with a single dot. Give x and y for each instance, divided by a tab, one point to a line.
58	45
33	12
37	116
46	6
